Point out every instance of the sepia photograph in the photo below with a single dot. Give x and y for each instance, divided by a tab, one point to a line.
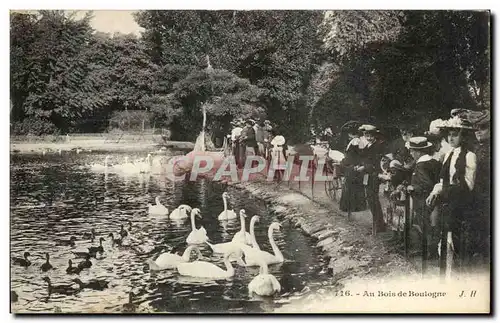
250	161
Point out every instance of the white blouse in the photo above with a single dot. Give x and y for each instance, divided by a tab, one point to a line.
470	169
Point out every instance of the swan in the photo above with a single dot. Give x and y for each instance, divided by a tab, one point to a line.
264	284
99	167
205	269
181	212
253	256
243	236
127	167
158	209
197	236
226	214
171	260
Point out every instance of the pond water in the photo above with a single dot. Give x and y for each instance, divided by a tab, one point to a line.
53	198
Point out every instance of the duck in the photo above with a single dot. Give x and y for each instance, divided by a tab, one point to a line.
13	296
123	232
242	236
72	270
253	256
264	284
46	266
197	236
85	264
95	284
158	209
170	260
203	269
114	241
130	307
99	249
226	214
60	289
90	236
24	262
83	254
181	212
70	242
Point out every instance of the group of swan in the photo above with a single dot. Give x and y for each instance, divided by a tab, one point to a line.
242	244
138	166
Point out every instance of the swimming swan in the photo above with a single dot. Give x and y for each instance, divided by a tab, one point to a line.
242	236
98	167
158	209
264	284
171	260
197	236
226	214
253	256
181	212
205	269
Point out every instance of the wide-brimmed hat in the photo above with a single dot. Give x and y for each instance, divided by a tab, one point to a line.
278	140
418	143
368	128
456	123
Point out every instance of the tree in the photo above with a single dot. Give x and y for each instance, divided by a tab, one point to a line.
225	96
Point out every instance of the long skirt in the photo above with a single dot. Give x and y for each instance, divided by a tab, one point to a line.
353	192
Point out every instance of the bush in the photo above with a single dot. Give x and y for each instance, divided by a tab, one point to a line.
34	126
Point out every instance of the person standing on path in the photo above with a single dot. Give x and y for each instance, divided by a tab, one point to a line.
370	164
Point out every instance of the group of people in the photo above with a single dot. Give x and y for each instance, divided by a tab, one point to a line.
445	170
258	138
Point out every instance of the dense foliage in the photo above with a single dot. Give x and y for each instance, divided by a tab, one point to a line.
304	70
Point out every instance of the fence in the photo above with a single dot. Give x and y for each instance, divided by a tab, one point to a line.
399	214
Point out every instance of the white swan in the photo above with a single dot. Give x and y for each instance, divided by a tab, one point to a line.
205	269
181	212
226	214
242	236
127	167
171	260
197	236
253	256
264	284
98	167
158	209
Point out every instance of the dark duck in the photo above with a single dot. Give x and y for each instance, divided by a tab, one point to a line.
90	236
114	241
85	264
24	262
73	270
70	242
130	307
100	249
60	289
123	232
95	284
46	265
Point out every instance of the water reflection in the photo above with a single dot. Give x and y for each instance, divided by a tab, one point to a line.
53	198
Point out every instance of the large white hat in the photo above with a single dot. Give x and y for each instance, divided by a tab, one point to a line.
278	141
456	123
368	127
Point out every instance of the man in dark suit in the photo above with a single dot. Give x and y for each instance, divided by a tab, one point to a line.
371	155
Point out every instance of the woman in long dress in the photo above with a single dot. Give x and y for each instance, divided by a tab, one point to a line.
353	191
278	156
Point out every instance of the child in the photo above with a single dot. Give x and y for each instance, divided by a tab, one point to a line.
425	175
